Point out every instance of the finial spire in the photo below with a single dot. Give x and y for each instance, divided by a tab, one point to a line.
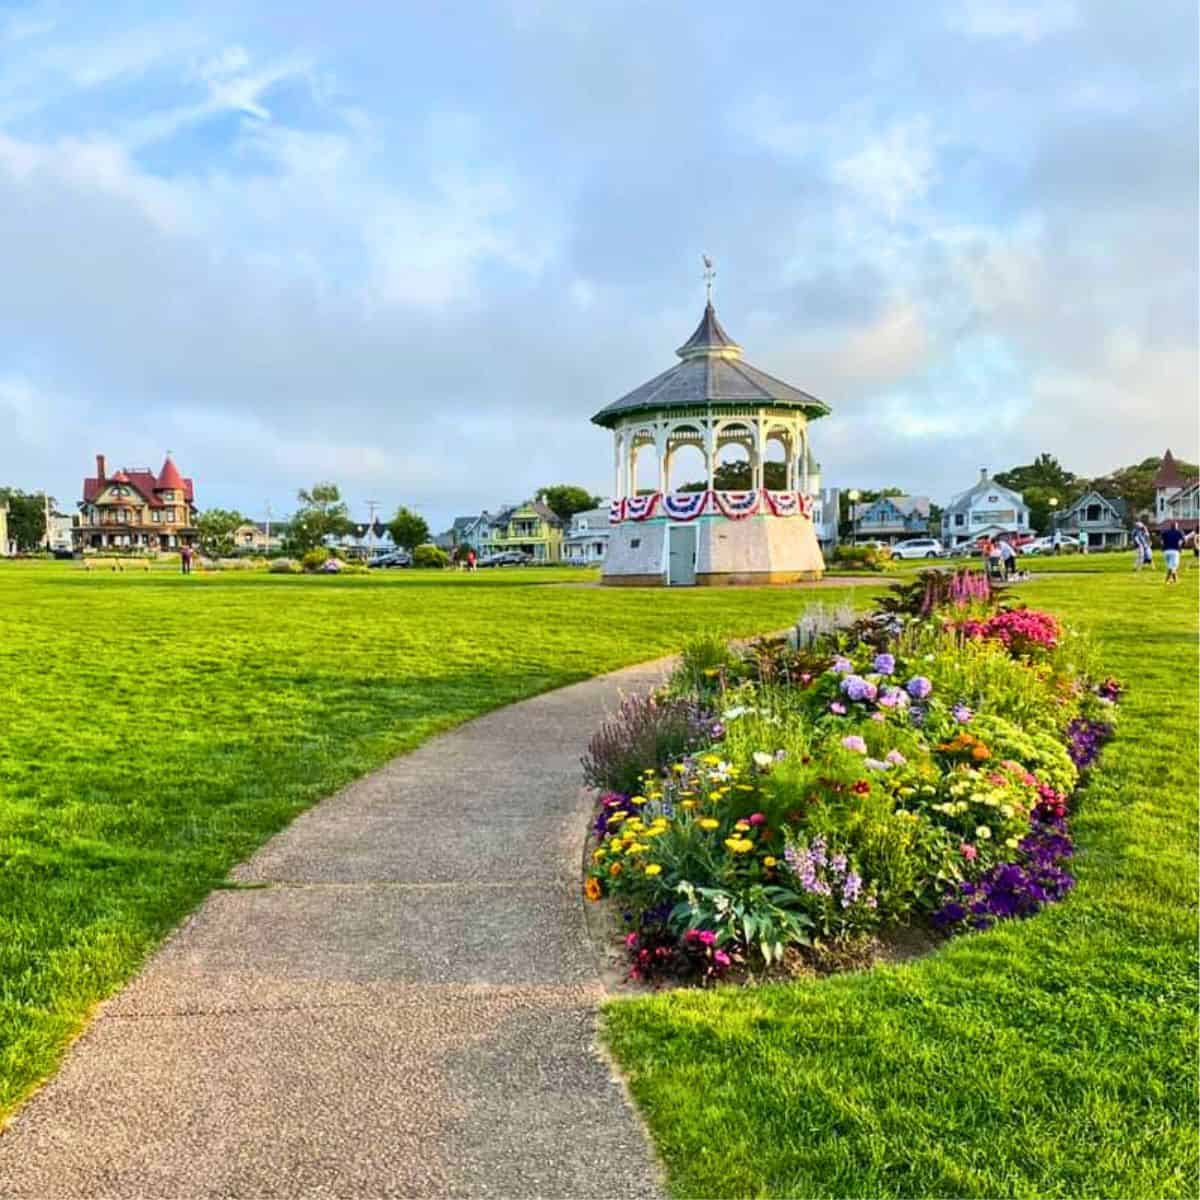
710	273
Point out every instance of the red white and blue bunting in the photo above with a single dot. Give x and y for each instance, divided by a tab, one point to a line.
684	506
687	506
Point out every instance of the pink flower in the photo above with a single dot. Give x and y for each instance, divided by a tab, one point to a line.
757	819
631	941
706	937
838	707
969	852
878	716
721	958
854	742
895	758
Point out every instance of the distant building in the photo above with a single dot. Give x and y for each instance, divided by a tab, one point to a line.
1184	507
1169	483
826	511
260	537
531	528
891	518
61	531
986	509
587	537
363	540
1104	519
136	509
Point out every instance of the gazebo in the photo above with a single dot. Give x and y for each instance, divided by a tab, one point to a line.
711	399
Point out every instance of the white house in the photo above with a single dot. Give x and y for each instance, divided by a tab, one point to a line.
587	537
1169	484
988	509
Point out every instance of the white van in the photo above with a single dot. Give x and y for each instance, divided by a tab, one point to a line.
918	548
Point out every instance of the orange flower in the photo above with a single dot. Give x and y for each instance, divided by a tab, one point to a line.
592	889
614	870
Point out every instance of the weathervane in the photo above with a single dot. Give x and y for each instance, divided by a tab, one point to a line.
710	273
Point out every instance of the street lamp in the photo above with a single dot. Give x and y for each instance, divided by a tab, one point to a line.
854	495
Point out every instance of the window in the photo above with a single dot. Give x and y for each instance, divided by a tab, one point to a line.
1093	512
170	515
959	519
157	515
634	543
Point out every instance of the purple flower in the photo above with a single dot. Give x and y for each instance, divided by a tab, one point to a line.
851	887
842	665
855	743
857	688
717	730
890	697
962	714
895	758
838	863
919	687
838	708
884	664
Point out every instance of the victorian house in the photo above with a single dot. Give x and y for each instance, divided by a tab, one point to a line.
1104	519
986	509
530	528
135	509
1172	485
892	518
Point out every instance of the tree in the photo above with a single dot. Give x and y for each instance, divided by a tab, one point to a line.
216	527
567	499
1044	472
322	514
408	529
26	517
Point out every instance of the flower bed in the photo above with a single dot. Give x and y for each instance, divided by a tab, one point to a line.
796	799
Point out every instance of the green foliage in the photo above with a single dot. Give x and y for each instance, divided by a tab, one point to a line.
26	517
567	499
430	556
865	558
316	558
284	566
322	514
216	526
408	529
702	658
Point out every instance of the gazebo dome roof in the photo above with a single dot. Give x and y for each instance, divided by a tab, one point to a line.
711	374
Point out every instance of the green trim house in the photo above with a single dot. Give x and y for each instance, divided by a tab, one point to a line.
531	528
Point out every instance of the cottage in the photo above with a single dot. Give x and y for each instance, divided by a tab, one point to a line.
1104	519
136	509
1169	484
531	528
587	538
259	537
986	509
892	518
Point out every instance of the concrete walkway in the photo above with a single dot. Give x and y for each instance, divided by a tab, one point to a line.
406	1007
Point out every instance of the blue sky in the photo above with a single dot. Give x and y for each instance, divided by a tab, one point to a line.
412	248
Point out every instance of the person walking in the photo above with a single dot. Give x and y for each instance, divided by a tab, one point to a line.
471	561
1083	542
1143	556
1008	557
1172	543
185	559
1056	541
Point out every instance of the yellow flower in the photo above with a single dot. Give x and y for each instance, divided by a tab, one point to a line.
598	854
616	817
742	826
592	889
770	861
744	787
710	759
688	805
639	800
685	795
653	869
679	769
707	823
1011	843
655	831
983	833
739	845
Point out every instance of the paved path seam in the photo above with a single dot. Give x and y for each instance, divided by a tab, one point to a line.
407	1008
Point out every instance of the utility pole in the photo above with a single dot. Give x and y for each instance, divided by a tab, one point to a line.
372	505
268	527
46	517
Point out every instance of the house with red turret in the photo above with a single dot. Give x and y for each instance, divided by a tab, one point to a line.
1174	495
135	509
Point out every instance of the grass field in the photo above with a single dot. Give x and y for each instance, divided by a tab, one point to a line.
1053	1057
154	730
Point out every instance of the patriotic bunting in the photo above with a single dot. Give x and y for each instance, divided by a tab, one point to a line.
687	506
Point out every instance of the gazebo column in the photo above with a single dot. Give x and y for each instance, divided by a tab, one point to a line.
618	465
710	452
802	480
660	446
756	455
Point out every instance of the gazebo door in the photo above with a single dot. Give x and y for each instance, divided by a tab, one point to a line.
681	555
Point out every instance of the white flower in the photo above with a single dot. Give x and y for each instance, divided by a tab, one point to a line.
762	759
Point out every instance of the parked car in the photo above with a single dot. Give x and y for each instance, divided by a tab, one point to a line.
505	558
918	548
1042	545
394	558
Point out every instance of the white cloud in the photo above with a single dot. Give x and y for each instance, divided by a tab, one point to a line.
1029	20
891	170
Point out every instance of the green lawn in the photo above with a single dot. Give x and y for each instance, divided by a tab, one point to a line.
1052	1057
154	730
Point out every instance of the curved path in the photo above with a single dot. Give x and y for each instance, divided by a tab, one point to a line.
401	1003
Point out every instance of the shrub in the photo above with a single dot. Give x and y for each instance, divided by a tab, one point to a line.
868	558
646	733
430	556
315	558
284	566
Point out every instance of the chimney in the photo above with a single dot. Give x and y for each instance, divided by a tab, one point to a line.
983	476
100	467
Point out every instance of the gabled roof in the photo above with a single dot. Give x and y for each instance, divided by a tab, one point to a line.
963	499
711	373
905	505
145	481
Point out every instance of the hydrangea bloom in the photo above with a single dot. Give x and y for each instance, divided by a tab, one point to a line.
857	688
884	664
962	714
918	687
855	743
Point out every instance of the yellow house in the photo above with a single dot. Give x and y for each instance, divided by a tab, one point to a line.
136	509
531	529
